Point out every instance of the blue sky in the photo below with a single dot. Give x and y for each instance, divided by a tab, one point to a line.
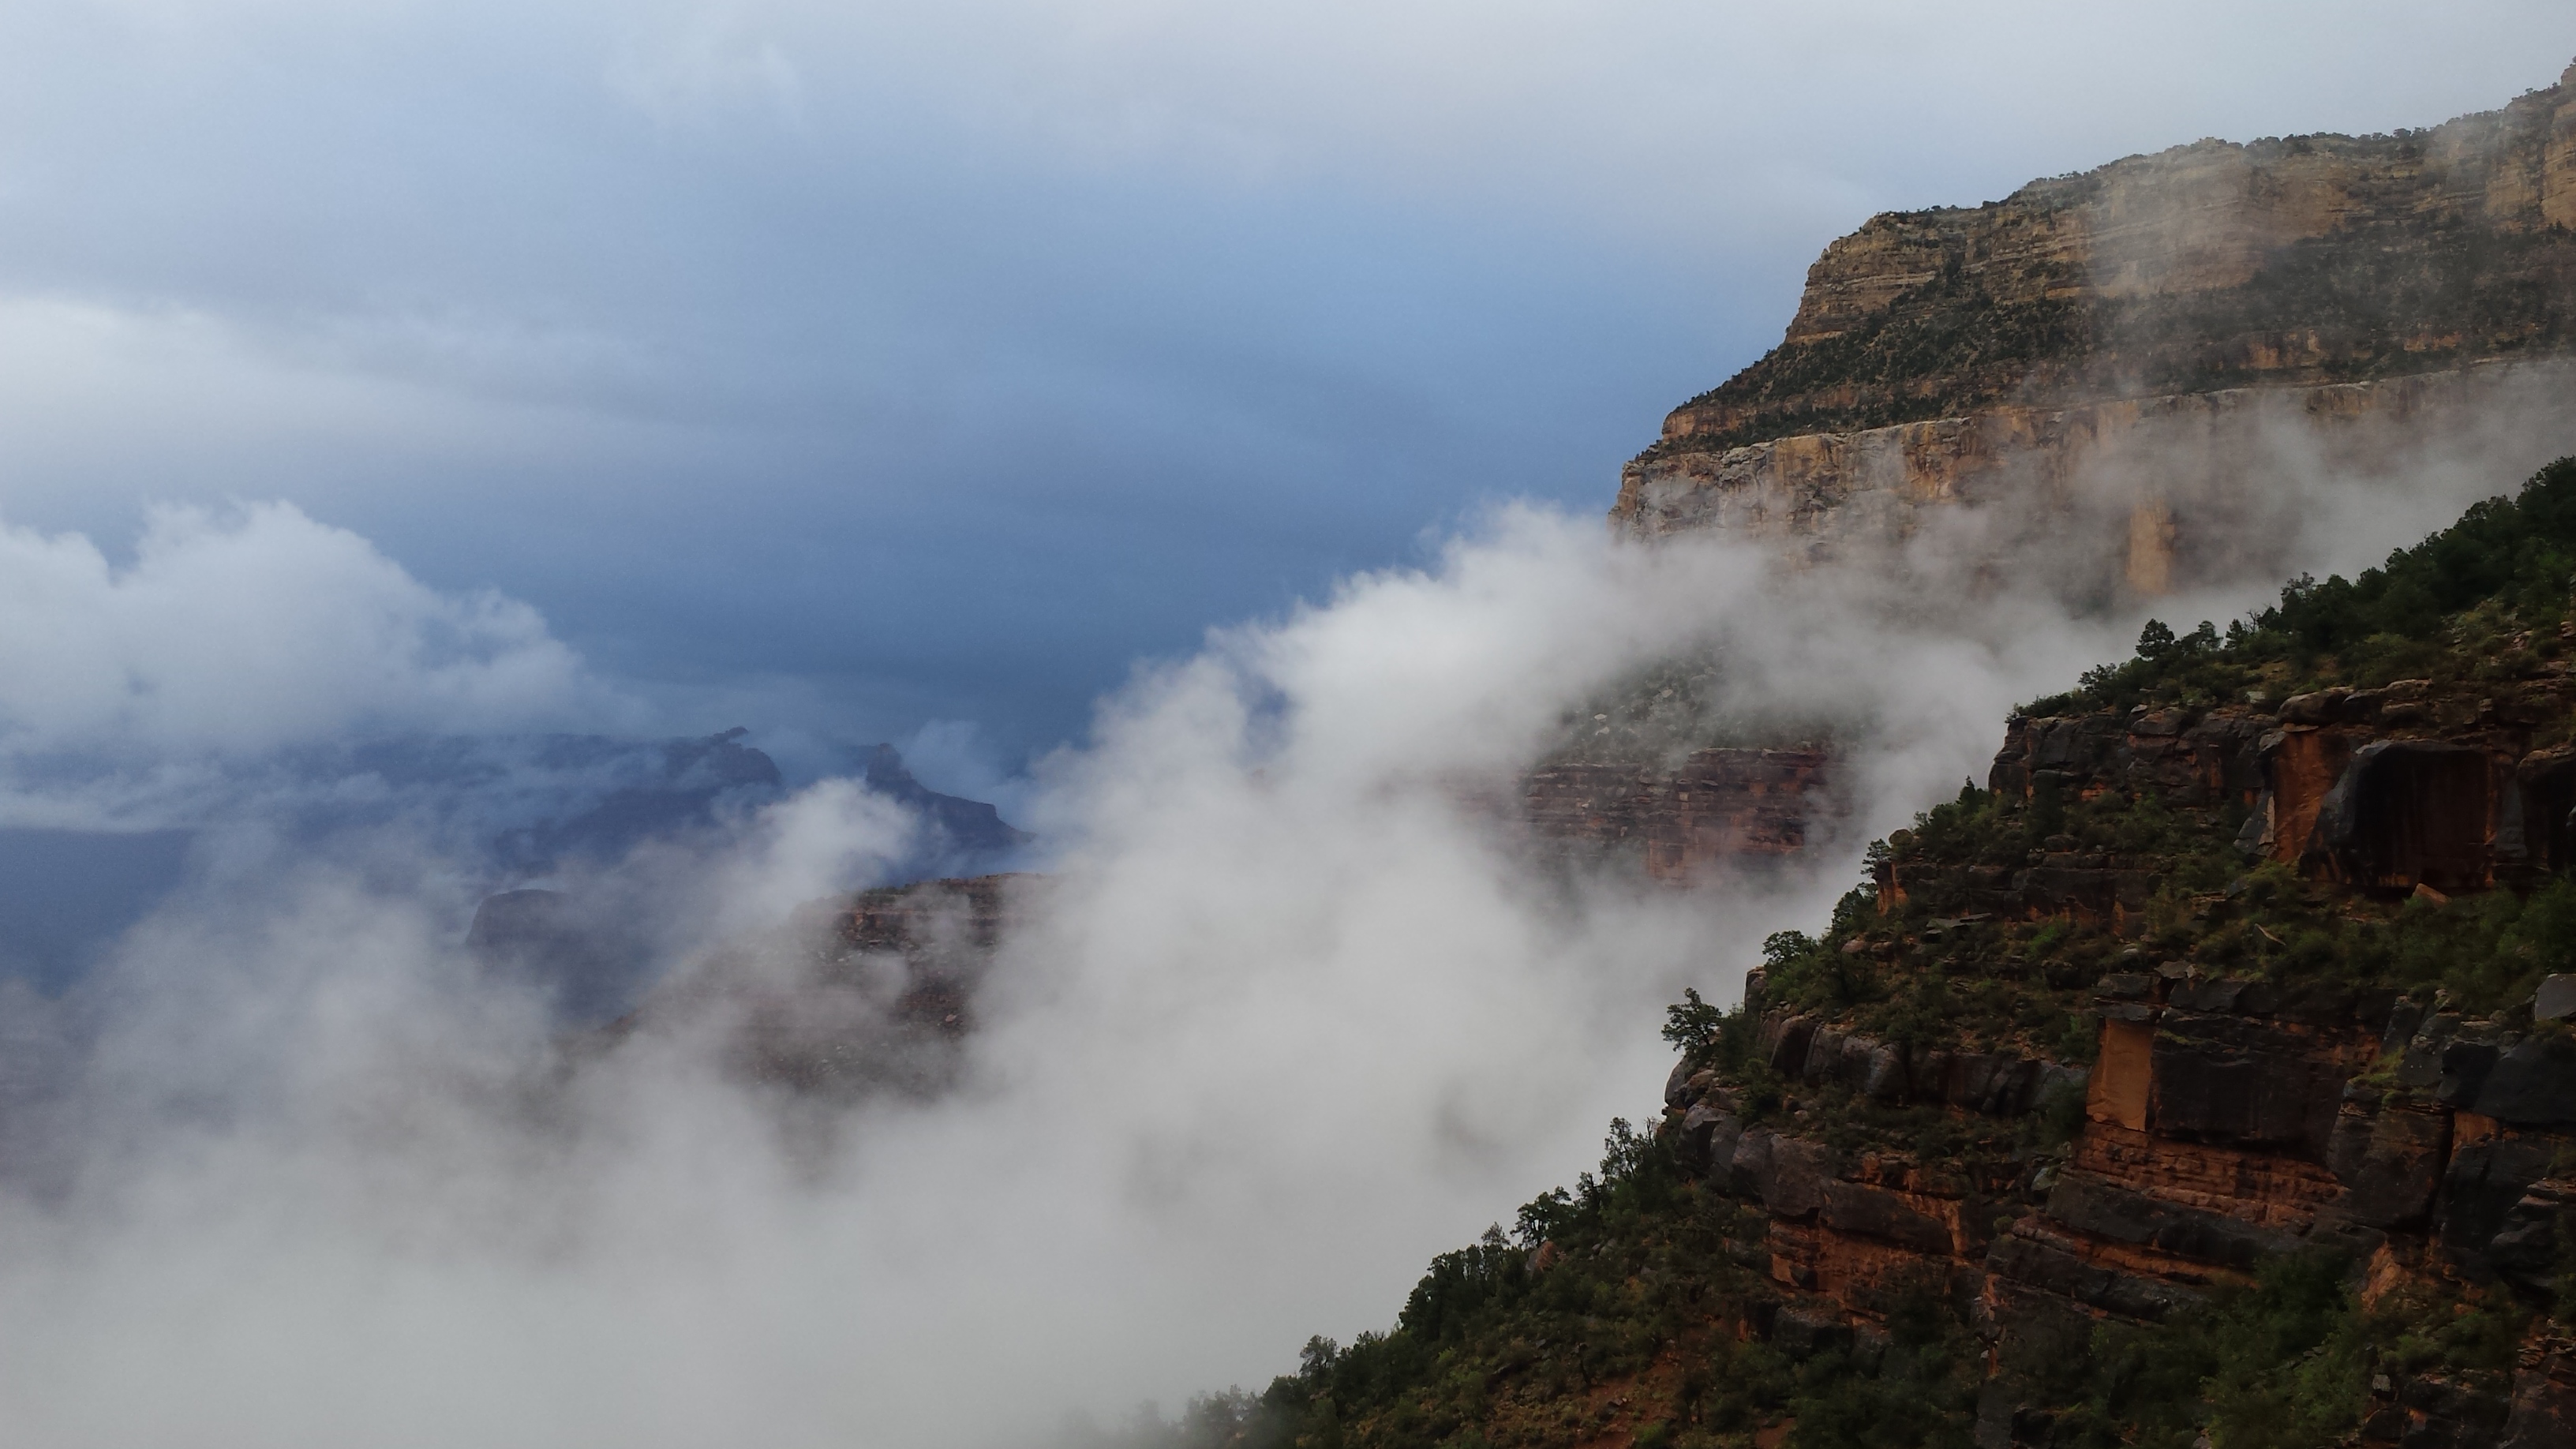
842	368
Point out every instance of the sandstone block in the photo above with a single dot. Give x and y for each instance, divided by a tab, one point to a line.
1852	1207
2531	1085
2055	1270
2555	999
2482	1186
2392	1162
2101	1210
1789	1174
1707	1138
2234	1080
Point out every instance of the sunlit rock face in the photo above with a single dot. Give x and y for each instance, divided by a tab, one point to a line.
2145	359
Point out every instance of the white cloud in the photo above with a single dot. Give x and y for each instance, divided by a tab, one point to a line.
1292	1015
1290	1018
241	630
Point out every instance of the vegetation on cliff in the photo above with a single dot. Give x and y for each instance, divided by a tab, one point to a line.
1689	1292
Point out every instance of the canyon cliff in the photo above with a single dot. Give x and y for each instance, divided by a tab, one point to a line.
2112	386
2207	1076
859	996
2141	358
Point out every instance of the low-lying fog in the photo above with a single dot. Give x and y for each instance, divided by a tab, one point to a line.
1294	1012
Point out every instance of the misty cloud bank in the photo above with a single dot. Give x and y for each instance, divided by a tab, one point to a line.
247	688
1290	1013
708	326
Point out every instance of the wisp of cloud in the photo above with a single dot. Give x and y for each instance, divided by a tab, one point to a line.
1292	1008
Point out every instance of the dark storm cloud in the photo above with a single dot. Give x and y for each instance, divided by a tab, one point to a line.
871	364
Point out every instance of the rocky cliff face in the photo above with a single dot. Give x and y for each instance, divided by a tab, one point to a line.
1658	777
2119	385
2208	1076
853	997
1718	808
2134	350
2228	1118
2130	497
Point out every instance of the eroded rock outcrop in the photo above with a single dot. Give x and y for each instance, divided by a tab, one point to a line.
866	994
2146	364
2225	1120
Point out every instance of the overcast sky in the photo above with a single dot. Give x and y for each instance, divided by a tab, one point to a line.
845	367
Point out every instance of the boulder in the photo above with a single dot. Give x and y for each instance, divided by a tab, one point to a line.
2462	1075
2543	1415
1787	1045
1881	1073
2232	1080
1707	1138
2480	1189
2321	707
1677	1085
1788	1173
1852	1207
2556	998
2524	1250
2392	1162
2533	1084
1824	1056
2053	1078
1997	1086
2448	1415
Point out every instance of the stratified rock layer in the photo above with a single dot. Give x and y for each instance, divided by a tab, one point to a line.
2146	355
1728	807
2225	1120
867	994
2113	386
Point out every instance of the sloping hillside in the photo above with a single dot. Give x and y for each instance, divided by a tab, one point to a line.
2207	1072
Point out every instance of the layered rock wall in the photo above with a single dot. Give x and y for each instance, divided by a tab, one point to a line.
2386	790
868	994
2223	1120
2145	495
2150	355
2248	1123
1719	806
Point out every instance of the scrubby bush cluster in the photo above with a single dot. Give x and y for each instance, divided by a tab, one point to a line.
2481	600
